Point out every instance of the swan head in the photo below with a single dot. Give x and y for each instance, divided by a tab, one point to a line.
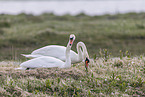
86	63
71	39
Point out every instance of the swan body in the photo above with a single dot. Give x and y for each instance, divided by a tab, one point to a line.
48	61
60	52
44	62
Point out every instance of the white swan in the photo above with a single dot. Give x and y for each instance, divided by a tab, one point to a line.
60	52
49	62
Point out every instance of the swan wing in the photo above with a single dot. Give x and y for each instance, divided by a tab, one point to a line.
42	62
55	51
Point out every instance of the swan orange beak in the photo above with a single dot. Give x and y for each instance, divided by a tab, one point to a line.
71	41
87	63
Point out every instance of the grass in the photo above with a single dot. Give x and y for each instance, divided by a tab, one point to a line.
114	42
24	32
114	77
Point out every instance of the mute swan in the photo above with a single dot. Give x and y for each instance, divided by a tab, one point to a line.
49	62
60	52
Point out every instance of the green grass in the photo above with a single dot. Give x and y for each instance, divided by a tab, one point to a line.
23	33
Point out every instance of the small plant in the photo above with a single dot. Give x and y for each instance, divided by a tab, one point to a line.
122	86
89	93
58	80
118	64
124	54
96	82
92	75
113	76
141	56
128	54
65	94
48	85
120	78
105	54
78	94
29	86
54	94
101	53
121	54
95	56
140	82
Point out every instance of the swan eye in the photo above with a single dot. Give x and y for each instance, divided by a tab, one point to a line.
71	38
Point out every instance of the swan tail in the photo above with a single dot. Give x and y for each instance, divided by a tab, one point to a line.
30	56
21	68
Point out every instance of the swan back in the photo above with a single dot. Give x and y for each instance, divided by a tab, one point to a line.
54	51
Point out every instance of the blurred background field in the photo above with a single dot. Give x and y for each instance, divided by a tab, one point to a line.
25	32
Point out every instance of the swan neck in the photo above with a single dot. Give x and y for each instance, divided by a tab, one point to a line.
68	58
84	52
80	53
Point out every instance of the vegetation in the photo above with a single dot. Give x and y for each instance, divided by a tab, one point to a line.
114	77
24	32
115	42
